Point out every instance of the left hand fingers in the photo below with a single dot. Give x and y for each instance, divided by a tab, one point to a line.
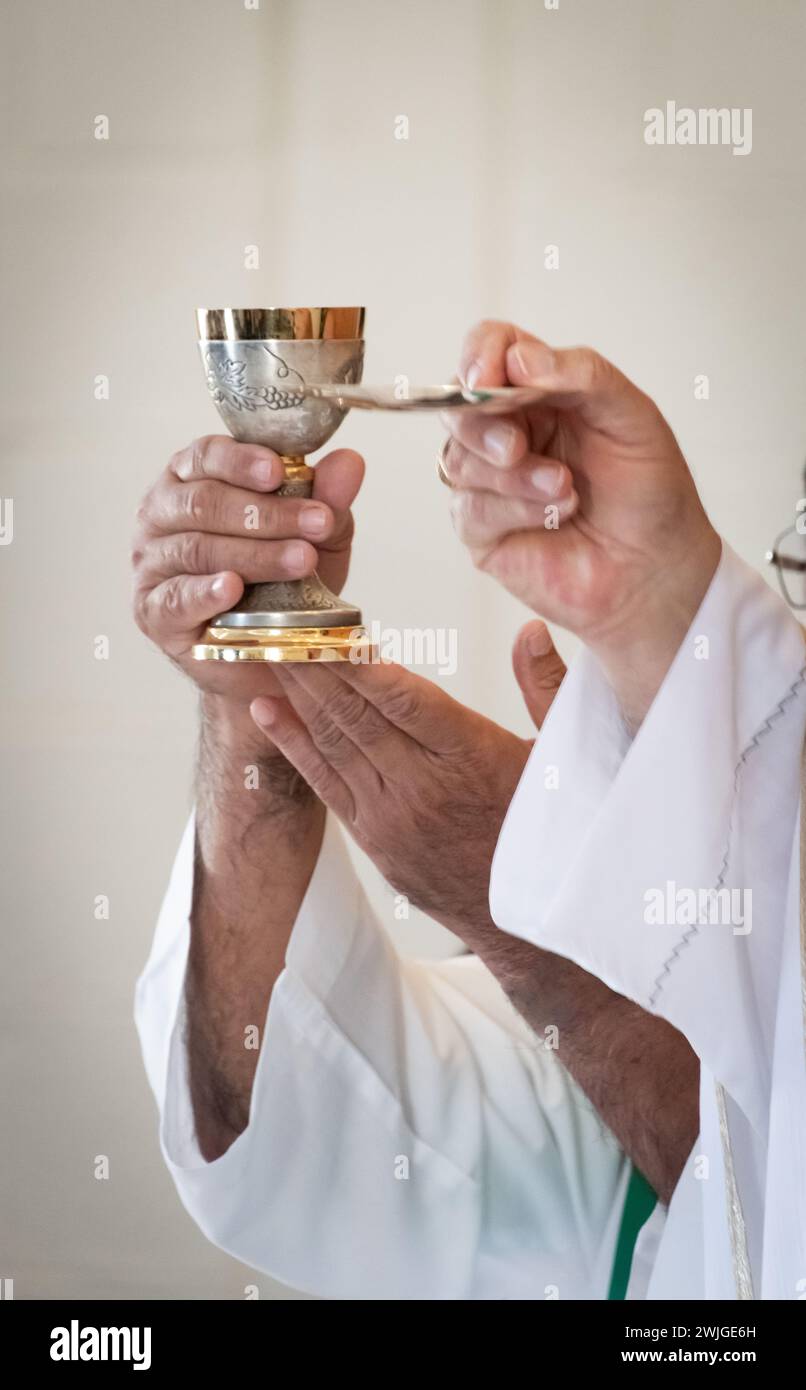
482	518
482	360
502	440
423	713
346	729
536	477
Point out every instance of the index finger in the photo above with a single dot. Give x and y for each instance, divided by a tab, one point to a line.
483	359
223	458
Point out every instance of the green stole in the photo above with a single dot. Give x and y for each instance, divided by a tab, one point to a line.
639	1204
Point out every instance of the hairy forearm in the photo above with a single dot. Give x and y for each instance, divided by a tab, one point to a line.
259	831
638	1071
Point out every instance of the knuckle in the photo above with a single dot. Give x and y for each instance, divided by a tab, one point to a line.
142	516
264	561
472	508
327	735
266	517
549	676
172	601
355	715
140	609
191	462
139	541
199	504
198	456
175	462
403	705
483	327
342	708
190	552
593	368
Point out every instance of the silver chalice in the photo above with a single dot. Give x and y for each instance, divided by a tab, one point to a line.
259	365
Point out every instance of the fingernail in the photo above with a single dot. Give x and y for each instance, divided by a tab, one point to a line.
218	585
294	558
500	441
313	520
548	478
473	375
535	360
538	643
262	712
262	470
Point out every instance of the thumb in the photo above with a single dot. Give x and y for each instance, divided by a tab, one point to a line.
582	379
337	479
538	667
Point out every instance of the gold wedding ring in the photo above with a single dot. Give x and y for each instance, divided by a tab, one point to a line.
442	473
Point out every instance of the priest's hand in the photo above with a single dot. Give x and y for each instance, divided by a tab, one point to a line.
193	550
582	506
421	782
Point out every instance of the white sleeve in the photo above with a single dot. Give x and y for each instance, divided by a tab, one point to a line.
662	865
408	1137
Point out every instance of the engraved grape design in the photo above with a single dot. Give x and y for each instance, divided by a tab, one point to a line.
226	384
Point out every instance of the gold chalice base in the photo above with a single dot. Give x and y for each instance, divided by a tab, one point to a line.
281	643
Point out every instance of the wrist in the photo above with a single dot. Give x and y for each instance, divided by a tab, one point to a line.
548	990
244	781
636	654
228	725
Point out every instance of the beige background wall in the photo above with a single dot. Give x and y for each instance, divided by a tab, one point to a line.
276	127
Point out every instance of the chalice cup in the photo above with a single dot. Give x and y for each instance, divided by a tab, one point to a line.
258	363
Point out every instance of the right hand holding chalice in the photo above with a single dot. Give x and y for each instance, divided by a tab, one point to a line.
193	550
